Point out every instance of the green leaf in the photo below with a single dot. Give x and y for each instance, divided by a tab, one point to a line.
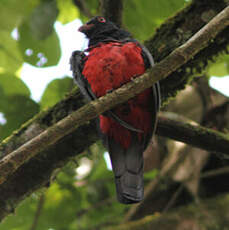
10	56
15	103
43	18
11	85
151	174
40	53
67	11
93	5
100	171
12	12
17	109
24	215
59	199
55	91
220	68
148	15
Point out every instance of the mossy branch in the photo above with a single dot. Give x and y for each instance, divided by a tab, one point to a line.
195	135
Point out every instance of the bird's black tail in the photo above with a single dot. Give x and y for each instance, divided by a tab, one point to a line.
127	165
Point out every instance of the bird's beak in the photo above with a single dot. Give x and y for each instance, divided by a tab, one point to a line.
85	27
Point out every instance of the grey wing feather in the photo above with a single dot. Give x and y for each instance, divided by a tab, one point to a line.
76	63
156	86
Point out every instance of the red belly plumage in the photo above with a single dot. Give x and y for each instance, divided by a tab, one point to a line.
108	66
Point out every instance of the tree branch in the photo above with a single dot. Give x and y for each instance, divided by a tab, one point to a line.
38	212
83	8
112	9
195	135
178	57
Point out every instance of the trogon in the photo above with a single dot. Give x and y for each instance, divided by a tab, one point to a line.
112	59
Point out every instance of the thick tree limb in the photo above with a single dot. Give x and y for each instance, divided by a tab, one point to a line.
194	135
112	9
180	56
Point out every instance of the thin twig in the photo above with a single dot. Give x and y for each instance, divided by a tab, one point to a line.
215	172
173	198
211	173
177	58
38	212
83	8
154	184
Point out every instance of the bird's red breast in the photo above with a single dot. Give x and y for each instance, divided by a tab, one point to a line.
108	66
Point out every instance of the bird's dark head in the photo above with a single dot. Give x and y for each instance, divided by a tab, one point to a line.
100	28
97	25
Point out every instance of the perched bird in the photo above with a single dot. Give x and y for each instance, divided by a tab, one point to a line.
112	59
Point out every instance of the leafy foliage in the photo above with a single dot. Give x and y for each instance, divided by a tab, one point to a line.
55	91
85	202
220	68
70	202
67	11
10	56
38	52
147	15
15	103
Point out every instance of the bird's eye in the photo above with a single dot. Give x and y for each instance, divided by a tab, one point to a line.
101	19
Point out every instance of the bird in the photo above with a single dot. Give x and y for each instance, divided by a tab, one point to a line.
112	59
